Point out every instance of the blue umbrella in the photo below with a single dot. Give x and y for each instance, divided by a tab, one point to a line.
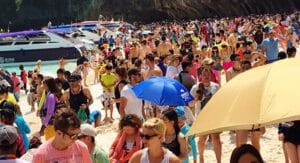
163	92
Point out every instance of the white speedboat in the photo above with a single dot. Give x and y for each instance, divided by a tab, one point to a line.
29	46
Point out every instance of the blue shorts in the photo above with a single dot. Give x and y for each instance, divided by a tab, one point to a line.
94	115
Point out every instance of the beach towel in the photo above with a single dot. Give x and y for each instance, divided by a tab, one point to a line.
119	154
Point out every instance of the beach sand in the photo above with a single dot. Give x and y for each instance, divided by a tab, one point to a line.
270	145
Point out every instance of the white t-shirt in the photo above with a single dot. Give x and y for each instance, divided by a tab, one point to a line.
213	88
173	71
134	105
145	156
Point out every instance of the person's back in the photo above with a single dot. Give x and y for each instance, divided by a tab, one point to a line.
186	79
134	105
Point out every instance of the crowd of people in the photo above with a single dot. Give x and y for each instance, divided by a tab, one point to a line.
195	53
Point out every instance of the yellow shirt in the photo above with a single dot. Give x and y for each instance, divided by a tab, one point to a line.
195	39
10	98
108	80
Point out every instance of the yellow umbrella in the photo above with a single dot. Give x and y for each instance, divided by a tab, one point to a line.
262	96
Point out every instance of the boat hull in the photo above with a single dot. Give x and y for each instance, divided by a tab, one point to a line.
32	55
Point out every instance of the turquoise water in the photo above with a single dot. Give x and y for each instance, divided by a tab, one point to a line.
47	69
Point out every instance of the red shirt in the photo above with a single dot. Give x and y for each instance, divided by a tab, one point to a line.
24	76
17	83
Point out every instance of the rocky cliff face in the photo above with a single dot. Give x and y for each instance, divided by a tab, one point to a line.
24	14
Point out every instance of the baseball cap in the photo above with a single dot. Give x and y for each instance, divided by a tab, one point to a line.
180	112
8	135
88	130
74	78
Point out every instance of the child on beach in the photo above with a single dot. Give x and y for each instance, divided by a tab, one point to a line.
108	81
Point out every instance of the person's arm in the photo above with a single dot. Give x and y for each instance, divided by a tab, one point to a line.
121	86
136	157
183	147
157	73
228	76
123	103
50	105
189	115
89	96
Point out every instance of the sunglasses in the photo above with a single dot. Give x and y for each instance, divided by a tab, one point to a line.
72	136
257	59
147	137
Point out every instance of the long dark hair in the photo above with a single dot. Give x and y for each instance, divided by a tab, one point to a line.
244	149
171	115
52	87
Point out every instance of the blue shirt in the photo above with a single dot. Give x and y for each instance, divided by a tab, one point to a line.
162	67
191	141
23	129
271	48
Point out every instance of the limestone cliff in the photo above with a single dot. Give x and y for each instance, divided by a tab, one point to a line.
24	14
